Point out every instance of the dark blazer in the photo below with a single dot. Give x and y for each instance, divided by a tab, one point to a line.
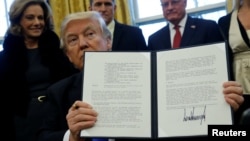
60	96
196	32
14	63
14	87
224	24
128	38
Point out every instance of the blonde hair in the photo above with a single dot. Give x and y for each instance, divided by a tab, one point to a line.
237	4
83	15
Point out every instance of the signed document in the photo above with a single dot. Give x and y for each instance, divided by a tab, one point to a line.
168	93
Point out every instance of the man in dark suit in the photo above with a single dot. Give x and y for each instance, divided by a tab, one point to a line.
193	31
125	37
66	113
83	31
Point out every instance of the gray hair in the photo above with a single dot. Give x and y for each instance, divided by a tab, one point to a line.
237	4
83	15
17	9
91	1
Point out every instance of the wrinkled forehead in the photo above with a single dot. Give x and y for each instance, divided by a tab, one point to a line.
102	1
170	1
82	25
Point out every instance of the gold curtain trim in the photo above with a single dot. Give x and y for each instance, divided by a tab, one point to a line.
61	8
229	5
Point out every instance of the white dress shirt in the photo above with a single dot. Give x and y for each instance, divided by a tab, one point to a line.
181	28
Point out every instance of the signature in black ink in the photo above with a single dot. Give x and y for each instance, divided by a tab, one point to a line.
192	115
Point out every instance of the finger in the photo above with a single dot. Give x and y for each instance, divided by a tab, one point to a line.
234	100
80	122
78	104
232	103
81	125
81	112
233	89
75	106
86	124
231	83
80	118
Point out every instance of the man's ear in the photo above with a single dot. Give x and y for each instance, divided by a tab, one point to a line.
115	7
90	8
186	3
109	43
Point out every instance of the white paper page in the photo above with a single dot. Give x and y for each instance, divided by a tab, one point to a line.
190	90
117	85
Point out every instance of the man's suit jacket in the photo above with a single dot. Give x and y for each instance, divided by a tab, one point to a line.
196	32
60	98
128	38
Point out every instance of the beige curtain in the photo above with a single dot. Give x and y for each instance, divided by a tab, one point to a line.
230	5
122	12
61	8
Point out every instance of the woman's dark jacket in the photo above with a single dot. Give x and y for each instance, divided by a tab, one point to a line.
13	65
224	24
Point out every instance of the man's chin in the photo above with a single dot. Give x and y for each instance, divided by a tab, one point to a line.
173	19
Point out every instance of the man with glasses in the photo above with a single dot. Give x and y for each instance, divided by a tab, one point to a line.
192	31
124	37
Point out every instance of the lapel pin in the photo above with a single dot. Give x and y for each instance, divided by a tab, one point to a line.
193	26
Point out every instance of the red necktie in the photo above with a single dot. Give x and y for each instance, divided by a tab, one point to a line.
177	37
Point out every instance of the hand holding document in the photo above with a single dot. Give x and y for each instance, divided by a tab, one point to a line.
169	93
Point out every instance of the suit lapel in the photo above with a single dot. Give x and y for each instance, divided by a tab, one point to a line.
188	32
76	88
167	38
117	35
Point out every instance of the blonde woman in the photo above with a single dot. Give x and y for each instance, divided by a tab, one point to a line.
236	30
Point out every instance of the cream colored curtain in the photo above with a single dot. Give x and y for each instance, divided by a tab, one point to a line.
122	12
229	5
61	8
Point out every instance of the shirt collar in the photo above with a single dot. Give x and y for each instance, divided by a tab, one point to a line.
181	24
111	26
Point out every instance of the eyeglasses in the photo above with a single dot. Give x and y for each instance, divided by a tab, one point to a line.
172	2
